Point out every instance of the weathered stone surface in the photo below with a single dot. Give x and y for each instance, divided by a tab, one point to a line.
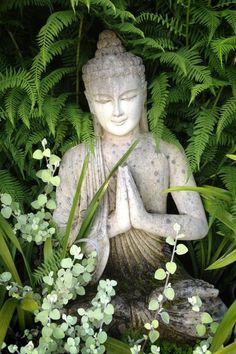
132	223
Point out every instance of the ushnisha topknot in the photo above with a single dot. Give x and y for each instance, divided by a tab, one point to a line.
112	60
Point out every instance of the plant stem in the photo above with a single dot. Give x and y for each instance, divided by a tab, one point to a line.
218	97
187	21
15	45
78	57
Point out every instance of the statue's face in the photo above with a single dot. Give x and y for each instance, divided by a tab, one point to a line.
117	103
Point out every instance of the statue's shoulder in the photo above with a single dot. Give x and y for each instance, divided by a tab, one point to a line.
164	147
74	156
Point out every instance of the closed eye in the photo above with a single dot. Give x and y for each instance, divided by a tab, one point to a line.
103	101
128	98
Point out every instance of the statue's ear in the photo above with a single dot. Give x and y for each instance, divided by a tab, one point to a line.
90	102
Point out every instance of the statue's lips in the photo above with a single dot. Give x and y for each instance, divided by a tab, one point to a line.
121	122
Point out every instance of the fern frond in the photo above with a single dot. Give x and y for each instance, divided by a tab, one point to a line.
87	134
222	3
56	48
228	176
199	88
51	265
159	93
223	46
208	18
48	82
128	27
24	111
228	114
172	24
170	137
179	93
62	129
18	79
230	16
56	22
51	110
231	76
11	185
106	4
75	116
12	102
157	43
203	128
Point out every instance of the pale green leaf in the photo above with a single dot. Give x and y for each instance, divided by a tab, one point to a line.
181	249
171	267
38	155
160	274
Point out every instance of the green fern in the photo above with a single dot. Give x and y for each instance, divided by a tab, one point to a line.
11	185
227	116
159	92
51	265
128	28
54	25
228	176
51	110
203	128
230	16
171	24
13	99
151	43
208	18
223	46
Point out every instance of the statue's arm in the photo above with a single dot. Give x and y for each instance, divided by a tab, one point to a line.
191	217
69	171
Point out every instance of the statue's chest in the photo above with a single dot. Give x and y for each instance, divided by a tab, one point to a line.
150	171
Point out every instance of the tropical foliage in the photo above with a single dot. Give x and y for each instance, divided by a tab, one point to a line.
188	48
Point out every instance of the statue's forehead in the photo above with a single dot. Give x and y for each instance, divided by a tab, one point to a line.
115	84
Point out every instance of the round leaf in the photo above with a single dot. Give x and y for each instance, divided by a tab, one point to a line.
153	336
160	274
55	181
55	314
38	155
102	337
169	293
47	152
181	249
170	241
54	159
201	330
206	318
42	199
6	212
6	199
171	267
58	333
66	263
51	204
165	317
153	305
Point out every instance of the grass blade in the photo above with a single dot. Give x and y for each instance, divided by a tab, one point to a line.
6	314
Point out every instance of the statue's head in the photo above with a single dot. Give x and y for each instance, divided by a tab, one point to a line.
115	87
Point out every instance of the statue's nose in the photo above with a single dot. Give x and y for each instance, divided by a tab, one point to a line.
117	110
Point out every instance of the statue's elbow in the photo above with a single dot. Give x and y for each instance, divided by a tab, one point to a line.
203	229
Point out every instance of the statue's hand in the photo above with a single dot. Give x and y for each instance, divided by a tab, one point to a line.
137	209
119	220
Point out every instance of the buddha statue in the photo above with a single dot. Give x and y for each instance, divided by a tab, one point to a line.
132	223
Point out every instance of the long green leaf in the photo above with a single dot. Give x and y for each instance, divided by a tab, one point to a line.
230	349
8	260
74	206
225	328
92	208
8	232
205	191
115	346
6	314
223	261
47	249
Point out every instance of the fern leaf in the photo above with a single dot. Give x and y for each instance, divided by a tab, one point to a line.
203	128
199	88
175	59
106	4
11	185
228	114
228	176
170	137
231	76
24	111
128	28
20	4
230	16
51	110
75	116
12	101
48	82
157	43
208	18
56	48
21	79
172	24
159	92
223	46
87	134
54	25
52	265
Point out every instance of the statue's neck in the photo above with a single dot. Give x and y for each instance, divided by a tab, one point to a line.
122	140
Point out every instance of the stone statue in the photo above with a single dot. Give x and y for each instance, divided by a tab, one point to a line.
132	223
